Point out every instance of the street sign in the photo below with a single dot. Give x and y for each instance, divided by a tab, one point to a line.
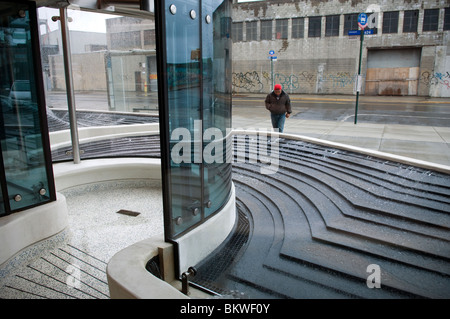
362	20
271	52
273	58
358	32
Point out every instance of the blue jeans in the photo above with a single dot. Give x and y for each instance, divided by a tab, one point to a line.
278	121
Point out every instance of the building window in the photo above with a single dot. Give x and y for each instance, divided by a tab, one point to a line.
149	37
266	30
251	30
236	31
431	20
410	21
390	22
315	27
447	19
282	28
332	26
350	22
298	27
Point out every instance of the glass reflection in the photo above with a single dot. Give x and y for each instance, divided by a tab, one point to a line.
199	98
217	99
25	172
183	69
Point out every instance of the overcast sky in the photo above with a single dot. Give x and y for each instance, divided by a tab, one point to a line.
81	20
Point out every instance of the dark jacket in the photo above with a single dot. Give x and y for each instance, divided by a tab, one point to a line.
278	104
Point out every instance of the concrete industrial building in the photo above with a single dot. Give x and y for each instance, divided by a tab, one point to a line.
407	54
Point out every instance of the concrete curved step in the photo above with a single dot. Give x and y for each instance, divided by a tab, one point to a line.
311	229
328	214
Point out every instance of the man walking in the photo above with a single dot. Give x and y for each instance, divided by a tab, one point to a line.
279	105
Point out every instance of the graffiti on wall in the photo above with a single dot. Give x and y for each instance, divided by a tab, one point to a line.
341	79
436	78
251	81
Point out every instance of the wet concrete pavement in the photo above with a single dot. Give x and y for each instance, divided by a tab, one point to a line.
414	127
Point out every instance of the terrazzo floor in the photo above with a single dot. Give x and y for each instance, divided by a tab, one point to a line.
73	263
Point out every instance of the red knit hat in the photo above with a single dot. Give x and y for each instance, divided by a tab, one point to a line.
277	87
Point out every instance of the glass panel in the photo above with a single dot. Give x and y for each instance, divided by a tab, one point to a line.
21	138
390	22
410	21
298	27
114	76
430	20
332	25
447	19
251	30
237	31
350	22
216	103
184	83
281	28
315	27
266	29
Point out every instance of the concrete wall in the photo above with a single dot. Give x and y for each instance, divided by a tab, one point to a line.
88	70
329	64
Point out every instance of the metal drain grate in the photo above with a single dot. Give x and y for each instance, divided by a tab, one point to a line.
128	212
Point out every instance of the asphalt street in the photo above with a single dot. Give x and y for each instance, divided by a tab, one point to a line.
409	126
381	109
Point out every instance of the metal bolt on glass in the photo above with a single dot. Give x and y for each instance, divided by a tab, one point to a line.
173	9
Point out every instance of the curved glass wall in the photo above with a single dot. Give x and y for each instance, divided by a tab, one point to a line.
198	81
26	178
216	55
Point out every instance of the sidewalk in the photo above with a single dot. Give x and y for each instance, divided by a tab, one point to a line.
427	143
352	98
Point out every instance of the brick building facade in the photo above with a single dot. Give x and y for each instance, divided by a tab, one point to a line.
408	52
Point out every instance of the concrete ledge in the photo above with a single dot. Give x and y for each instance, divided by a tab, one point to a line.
128	278
383	155
205	238
89	134
126	273
99	170
22	229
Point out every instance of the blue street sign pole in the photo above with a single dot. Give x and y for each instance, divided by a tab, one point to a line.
271	69
362	22
359	76
271	53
